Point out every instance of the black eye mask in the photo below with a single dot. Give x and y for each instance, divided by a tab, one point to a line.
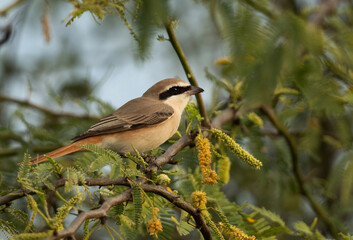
173	91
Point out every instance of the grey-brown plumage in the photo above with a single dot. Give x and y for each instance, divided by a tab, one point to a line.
137	113
141	124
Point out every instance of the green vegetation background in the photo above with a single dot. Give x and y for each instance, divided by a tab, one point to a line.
286	75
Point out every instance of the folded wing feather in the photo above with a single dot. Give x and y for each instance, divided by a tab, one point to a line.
137	113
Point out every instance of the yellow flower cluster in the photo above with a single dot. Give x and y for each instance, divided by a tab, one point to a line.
199	199
223	169
235	233
205	157
237	149
154	227
155	211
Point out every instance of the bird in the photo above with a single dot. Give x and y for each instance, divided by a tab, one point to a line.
141	124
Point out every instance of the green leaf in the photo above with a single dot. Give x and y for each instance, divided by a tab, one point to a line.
138	199
7	228
268	214
303	228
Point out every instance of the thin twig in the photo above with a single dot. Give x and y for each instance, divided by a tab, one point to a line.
188	71
320	211
60	183
47	111
326	8
4	11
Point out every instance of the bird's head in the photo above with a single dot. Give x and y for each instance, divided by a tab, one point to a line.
172	91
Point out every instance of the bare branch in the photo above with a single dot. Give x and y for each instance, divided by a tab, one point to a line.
47	111
225	116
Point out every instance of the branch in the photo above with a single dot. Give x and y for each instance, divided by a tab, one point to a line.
60	183
178	202
173	150
225	116
126	196
188	72
326	8
4	11
320	211
96	213
110	202
47	111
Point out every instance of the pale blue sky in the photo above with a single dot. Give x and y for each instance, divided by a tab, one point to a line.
108	55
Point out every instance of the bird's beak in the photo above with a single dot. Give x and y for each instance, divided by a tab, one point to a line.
195	90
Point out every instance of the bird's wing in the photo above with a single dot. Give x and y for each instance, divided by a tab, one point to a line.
137	113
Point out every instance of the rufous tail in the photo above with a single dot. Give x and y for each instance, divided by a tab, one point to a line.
56	153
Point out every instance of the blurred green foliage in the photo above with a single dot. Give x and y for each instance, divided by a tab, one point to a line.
286	73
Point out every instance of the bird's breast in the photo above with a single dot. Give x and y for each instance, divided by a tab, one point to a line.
143	139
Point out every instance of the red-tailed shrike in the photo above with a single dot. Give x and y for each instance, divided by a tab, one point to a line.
143	123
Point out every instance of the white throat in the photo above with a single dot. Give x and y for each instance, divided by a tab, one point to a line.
178	102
